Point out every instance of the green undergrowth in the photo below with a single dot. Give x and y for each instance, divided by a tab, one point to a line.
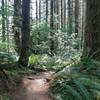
55	63
4	96
79	81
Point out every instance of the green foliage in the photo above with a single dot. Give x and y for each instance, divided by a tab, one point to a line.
33	59
40	39
4	97
6	58
54	63
66	45
74	89
86	61
3	46
8	10
70	84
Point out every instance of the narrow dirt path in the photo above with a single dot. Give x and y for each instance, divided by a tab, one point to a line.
33	87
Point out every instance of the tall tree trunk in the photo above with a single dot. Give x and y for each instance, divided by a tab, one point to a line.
7	25
92	30
36	11
52	27
55	14
62	14
3	22
65	15
70	11
39	10
83	22
76	16
17	25
23	60
47	11
58	14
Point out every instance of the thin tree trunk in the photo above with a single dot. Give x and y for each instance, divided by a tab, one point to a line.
58	14
47	11
3	22
7	26
70	26
36	11
55	14
62	14
76	16
65	15
52	27
39	10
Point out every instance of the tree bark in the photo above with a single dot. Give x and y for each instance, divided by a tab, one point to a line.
70	17
62	14
7	26
23	60
17	25
92	30
58	14
76	16
46	11
39	10
36	12
3	22
52	27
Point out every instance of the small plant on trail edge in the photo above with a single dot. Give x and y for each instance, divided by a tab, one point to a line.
33	59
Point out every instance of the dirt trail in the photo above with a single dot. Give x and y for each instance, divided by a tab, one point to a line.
33	88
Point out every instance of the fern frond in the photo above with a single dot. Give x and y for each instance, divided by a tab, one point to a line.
73	92
90	83
82	89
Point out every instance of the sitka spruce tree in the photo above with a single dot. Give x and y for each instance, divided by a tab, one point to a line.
92	30
24	55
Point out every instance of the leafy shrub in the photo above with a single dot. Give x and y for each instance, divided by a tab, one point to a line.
66	45
39	39
53	63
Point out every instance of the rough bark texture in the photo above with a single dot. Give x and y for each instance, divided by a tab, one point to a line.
39	10
7	26
3	22
36	11
76	16
62	14
58	14
23	60
70	16
65	15
51	27
46	11
17	25
92	30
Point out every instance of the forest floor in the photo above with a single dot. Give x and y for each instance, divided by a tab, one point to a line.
33	87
